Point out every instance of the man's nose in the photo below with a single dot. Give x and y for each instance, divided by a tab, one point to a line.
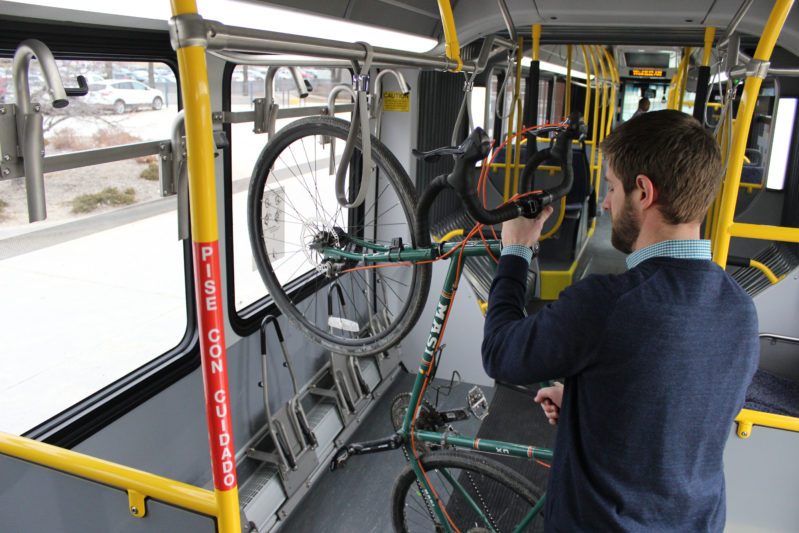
606	203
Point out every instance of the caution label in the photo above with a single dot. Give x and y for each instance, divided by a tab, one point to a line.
396	101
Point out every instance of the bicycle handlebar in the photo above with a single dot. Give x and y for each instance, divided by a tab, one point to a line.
476	147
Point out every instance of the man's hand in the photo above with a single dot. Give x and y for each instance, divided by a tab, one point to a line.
524	231
550	399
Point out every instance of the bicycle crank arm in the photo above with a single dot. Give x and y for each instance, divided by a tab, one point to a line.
361	448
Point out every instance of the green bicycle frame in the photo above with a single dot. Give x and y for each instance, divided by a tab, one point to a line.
384	254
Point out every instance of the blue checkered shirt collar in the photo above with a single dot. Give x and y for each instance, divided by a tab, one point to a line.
686	249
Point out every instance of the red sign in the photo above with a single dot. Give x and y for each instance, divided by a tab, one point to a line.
214	363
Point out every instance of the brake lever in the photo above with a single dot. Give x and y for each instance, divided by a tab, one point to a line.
531	206
432	156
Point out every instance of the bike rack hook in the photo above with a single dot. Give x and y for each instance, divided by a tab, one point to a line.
30	133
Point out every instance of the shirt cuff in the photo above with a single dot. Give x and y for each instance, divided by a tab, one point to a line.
518	250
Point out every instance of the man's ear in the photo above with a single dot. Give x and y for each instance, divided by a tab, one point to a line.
646	191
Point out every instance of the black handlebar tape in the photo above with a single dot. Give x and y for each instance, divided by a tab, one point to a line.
336	286
423	208
491	216
565	159
271	319
737	261
528	174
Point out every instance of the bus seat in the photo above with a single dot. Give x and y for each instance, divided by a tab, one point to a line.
771	393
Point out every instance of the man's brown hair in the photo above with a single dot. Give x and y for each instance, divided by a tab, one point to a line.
676	153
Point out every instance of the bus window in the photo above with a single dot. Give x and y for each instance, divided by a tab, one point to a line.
96	289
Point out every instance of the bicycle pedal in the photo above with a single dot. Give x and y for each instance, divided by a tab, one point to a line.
478	404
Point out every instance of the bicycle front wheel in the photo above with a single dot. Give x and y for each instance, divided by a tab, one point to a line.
478	494
293	216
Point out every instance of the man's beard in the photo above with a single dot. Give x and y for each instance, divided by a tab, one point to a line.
626	228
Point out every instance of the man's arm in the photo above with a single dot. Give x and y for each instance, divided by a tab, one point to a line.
554	343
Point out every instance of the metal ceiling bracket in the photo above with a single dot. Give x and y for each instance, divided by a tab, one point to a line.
187	30
754	68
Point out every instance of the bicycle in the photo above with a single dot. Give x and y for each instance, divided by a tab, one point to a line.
335	242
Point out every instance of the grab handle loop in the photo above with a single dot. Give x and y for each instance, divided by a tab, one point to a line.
360	118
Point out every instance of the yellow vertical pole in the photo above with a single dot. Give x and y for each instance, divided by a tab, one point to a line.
721	137
595	116
519	116
508	142
614	77
536	42
684	79
675	88
710	34
743	120
587	106
605	89
567	97
452	46
207	279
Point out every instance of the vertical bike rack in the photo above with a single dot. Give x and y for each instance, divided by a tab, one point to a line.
287	438
363	371
343	366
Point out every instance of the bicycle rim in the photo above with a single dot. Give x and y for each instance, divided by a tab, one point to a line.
478	494
292	208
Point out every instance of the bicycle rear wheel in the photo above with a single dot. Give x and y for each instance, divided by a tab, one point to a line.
469	485
293	213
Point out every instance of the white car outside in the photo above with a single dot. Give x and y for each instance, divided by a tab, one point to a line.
121	95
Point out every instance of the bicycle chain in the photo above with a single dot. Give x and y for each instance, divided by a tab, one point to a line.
491	520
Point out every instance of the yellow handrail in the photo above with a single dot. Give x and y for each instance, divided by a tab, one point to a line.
561	215
724	226
765	270
452	47
207	268
112	474
451	235
748	418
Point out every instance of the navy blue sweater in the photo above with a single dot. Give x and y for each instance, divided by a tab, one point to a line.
657	361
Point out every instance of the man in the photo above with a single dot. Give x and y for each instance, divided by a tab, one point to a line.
643	107
656	361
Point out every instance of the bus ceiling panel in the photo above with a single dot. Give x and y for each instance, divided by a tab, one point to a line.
80	16
755	19
418	17
624	12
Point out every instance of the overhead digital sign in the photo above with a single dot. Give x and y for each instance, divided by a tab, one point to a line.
648	72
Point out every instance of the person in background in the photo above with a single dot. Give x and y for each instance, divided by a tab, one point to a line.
643	107
656	361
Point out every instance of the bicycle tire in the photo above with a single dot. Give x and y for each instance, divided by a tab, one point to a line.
491	482
325	222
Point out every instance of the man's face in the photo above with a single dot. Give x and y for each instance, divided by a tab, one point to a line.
625	221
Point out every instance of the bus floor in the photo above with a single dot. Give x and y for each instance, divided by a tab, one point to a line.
357	498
